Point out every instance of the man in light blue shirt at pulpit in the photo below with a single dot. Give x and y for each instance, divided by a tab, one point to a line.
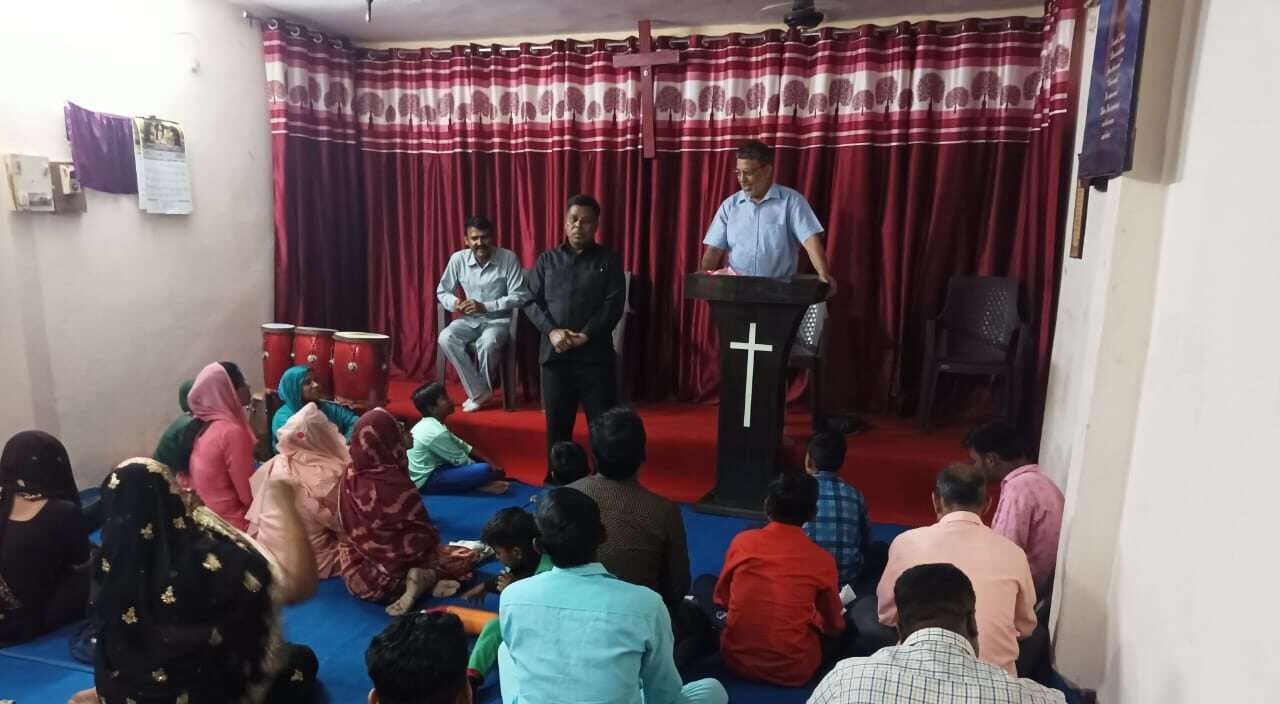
579	634
764	225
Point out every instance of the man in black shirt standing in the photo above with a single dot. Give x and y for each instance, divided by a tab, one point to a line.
577	298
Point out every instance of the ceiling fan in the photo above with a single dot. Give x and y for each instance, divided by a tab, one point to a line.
800	14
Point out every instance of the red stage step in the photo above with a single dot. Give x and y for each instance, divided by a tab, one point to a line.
893	464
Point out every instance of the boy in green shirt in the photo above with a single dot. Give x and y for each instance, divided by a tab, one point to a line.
439	461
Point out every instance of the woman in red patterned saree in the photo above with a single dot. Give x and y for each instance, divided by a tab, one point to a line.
391	551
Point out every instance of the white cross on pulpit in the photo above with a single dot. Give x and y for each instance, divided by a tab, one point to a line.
751	348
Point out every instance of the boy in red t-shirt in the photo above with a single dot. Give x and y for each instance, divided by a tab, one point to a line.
778	591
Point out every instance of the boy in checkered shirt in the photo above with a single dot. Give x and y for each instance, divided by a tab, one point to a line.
841	526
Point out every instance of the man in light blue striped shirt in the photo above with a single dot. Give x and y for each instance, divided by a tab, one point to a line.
493	284
763	225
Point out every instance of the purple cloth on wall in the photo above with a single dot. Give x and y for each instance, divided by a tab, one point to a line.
102	149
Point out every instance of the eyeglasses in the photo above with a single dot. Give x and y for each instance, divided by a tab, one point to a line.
750	173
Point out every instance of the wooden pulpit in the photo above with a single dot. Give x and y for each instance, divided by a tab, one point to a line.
757	320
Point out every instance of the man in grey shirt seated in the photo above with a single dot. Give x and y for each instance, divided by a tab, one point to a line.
493	286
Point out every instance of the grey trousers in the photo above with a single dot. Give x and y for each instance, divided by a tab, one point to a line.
488	338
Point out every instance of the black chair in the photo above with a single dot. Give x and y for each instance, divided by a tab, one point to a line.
506	370
620	338
979	332
809	351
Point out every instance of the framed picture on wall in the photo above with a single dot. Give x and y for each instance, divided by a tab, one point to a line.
1113	90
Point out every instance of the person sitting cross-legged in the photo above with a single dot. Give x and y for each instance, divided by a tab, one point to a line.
777	596
174	448
840	526
1030	508
647	543
936	659
578	634
189	609
298	387
511	533
439	461
568	463
314	456
420	658
44	547
221	459
390	550
998	568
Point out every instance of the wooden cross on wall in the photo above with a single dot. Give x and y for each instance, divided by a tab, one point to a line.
646	59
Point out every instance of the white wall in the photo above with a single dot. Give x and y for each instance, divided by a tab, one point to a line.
103	314
1166	388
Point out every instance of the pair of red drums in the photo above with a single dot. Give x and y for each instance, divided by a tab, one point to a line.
284	345
349	366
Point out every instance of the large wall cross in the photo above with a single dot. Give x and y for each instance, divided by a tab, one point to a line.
646	59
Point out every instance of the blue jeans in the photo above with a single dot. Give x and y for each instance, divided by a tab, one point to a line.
455	480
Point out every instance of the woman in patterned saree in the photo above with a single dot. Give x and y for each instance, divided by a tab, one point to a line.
189	607
391	550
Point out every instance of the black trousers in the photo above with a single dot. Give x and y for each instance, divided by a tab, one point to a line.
869	634
704	590
568	384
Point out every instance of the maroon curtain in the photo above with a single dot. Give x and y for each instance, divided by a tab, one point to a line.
921	148
321	248
1042	200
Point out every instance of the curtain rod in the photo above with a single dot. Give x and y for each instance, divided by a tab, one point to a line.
679	42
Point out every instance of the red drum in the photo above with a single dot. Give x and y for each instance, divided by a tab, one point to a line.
360	368
277	348
313	348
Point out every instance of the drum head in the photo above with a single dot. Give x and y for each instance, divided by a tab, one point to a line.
348	336
277	327
318	332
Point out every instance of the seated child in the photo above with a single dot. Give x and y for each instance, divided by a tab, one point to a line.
439	461
840	527
777	595
568	463
510	533
420	657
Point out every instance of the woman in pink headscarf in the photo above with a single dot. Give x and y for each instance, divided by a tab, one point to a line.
222	457
313	456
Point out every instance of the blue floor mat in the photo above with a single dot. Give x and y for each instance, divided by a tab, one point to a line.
338	626
29	682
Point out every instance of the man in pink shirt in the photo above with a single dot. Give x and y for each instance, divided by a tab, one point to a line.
1030	508
998	568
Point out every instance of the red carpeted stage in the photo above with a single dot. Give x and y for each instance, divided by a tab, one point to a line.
893	464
